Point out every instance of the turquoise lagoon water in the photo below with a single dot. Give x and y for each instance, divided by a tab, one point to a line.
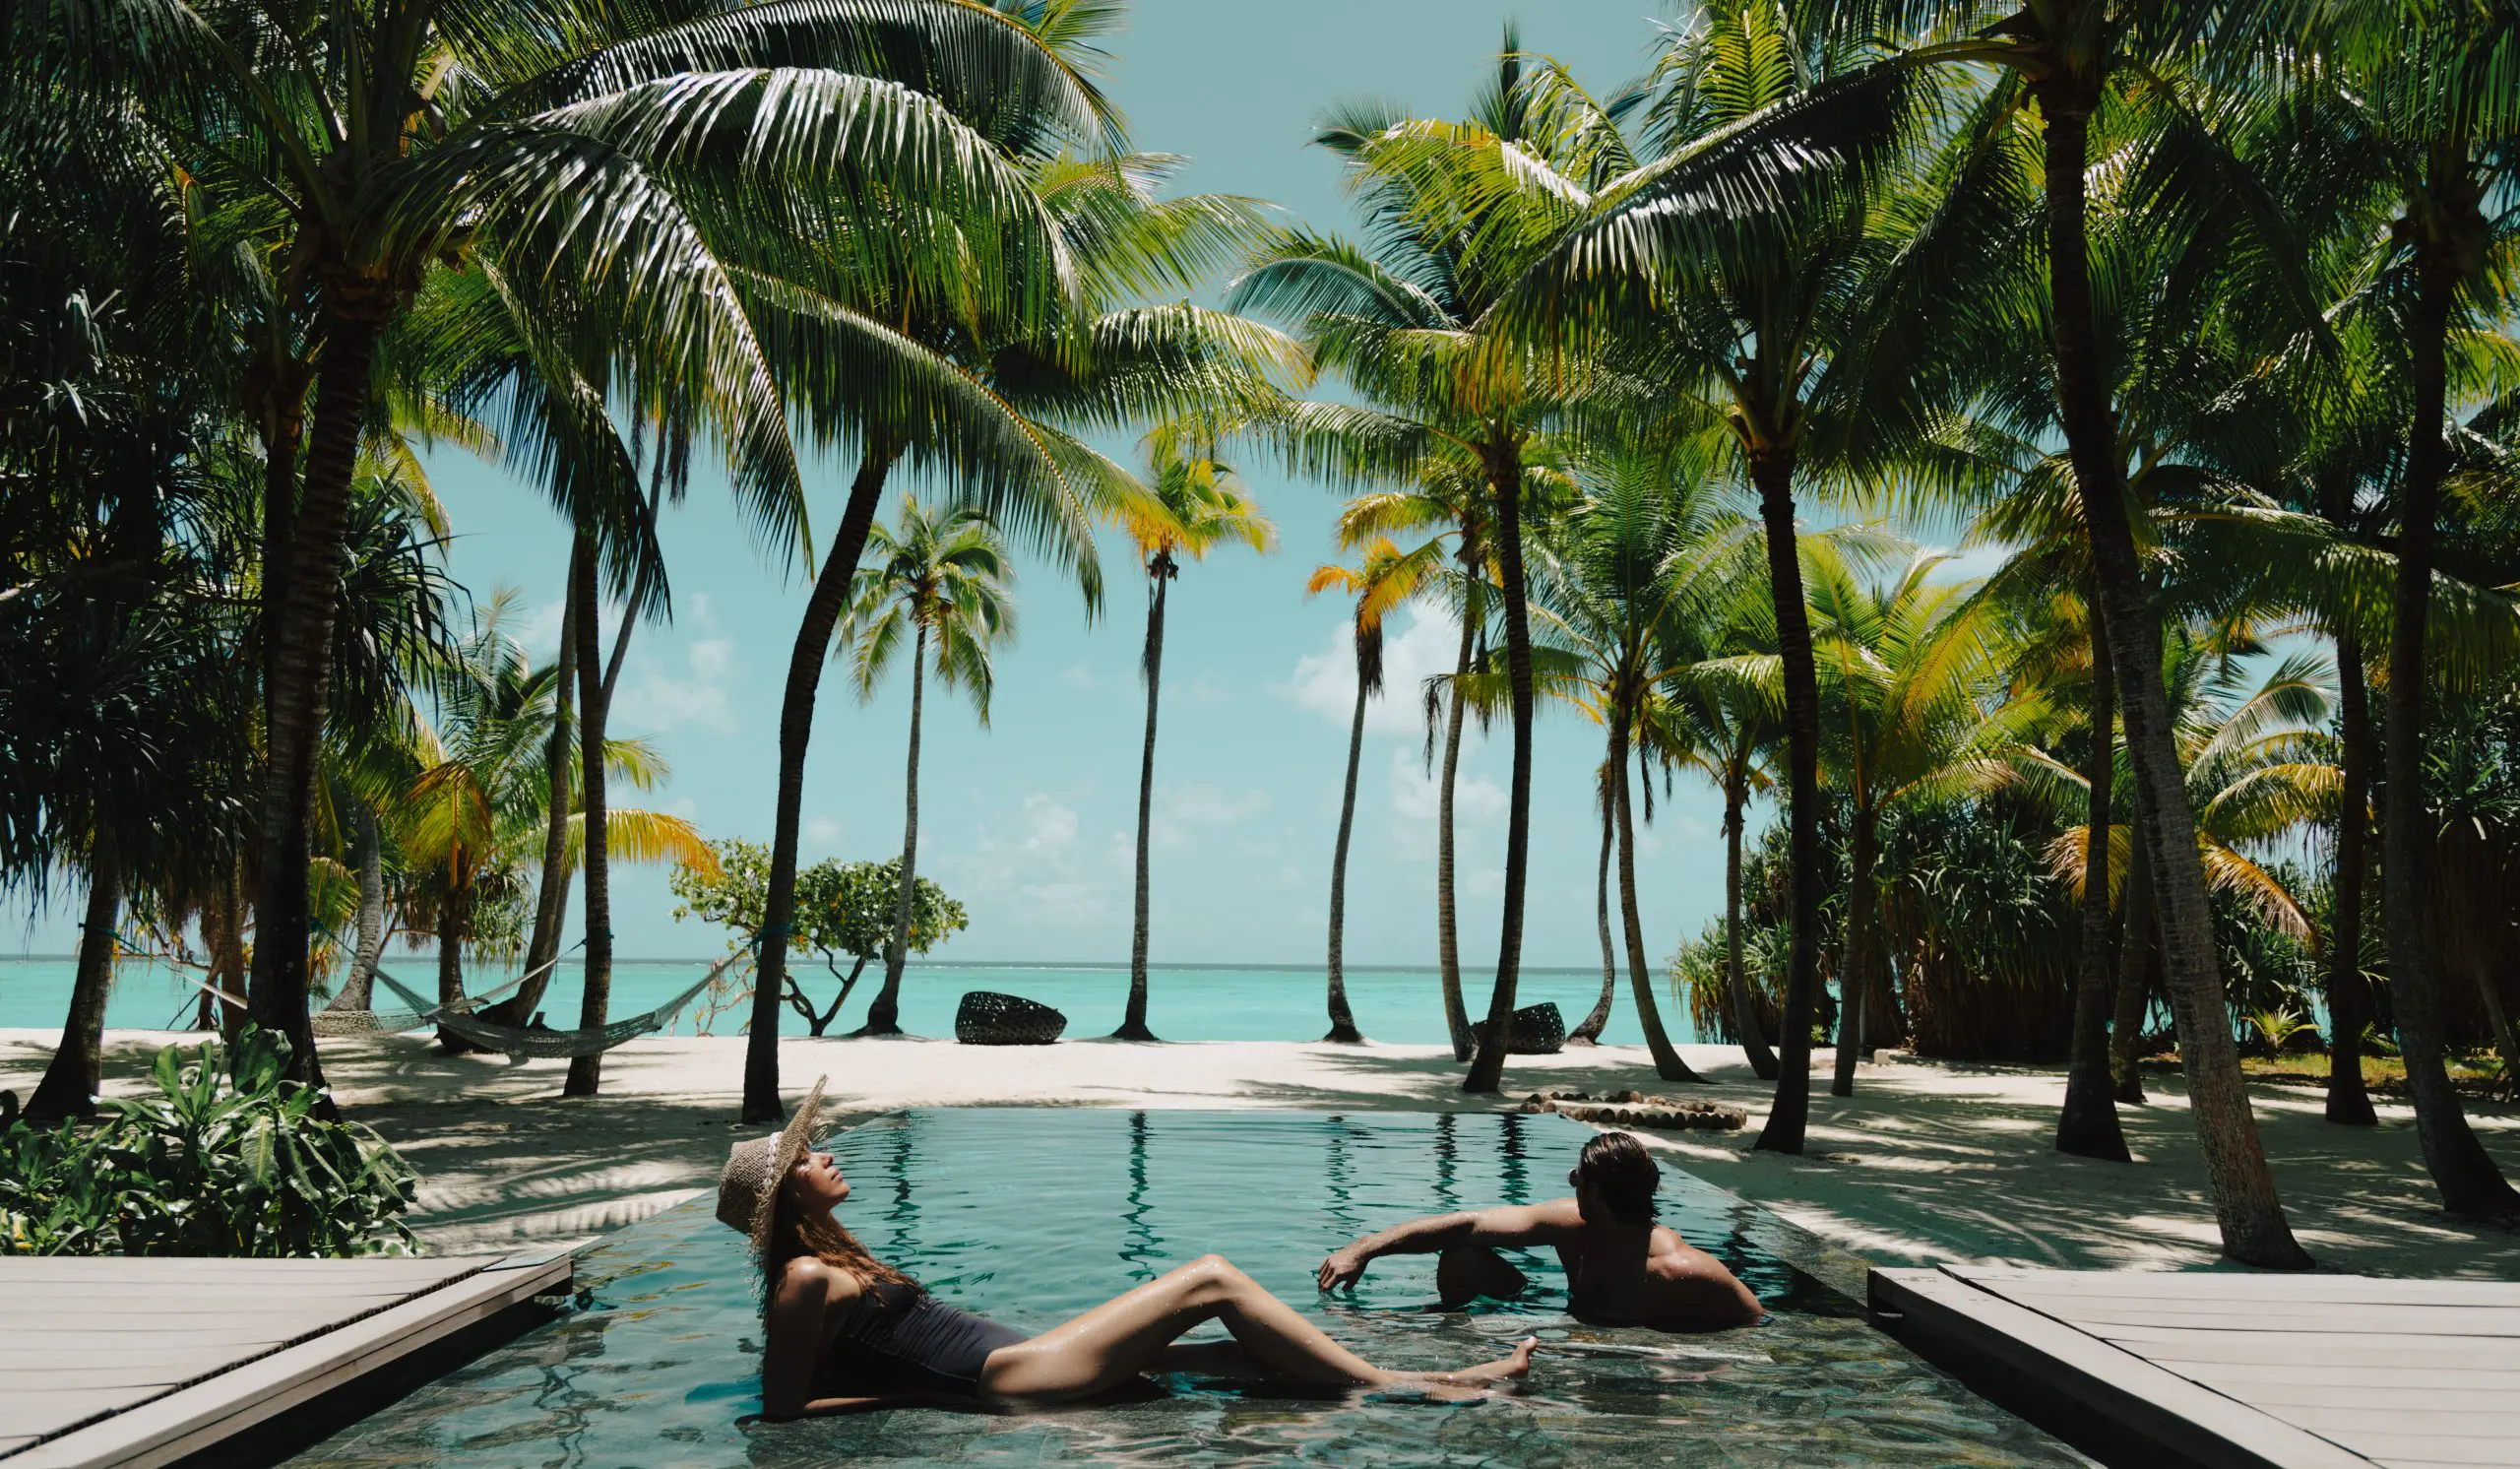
1032	1215
1186	1004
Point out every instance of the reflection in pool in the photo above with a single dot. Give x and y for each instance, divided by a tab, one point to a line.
1032	1215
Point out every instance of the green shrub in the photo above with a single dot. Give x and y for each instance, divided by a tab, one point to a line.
230	1158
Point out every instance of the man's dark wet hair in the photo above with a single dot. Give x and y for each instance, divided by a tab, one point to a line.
1623	1175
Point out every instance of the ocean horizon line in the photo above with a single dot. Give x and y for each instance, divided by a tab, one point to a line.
1078	965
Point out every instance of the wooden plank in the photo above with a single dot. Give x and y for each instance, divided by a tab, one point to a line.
113	1374
2354	1321
222	1406
2232	1376
96	1296
2154	1403
2220	1284
152	1270
2501	1422
241	1328
2279	1398
152	1354
2434	1450
51	1410
114	1315
2172	1344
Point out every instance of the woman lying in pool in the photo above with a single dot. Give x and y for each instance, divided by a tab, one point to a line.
844	1332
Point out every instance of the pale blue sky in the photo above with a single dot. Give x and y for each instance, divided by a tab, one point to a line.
1030	822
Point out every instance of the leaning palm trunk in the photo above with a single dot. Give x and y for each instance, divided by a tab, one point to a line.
299	669
586	1072
357	992
1737	988
1342	1021
1772	471
2349	994
1133	1025
1487	1058
2087	1127
1854	971
1447	933
450	963
2246	1205
823	608
1590	1032
2137	934
884	1016
552	894
1667	1065
2461	1169
70	1082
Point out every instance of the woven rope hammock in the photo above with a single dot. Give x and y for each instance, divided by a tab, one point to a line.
557	1045
394	1022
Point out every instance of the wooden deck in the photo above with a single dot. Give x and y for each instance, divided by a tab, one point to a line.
140	1362
2303	1372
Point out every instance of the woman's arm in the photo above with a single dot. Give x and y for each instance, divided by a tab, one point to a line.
793	1338
1528	1224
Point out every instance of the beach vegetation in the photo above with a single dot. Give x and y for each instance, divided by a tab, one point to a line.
844	910
226	1156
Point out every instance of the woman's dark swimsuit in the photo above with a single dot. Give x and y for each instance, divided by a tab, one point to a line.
898	1338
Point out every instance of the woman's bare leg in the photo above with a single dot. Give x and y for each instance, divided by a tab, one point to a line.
1130	1334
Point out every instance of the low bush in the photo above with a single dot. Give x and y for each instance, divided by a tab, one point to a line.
230	1158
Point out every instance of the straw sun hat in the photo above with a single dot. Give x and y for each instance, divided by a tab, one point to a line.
748	1187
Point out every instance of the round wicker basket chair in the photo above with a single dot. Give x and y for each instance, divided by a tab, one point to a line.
988	1018
1539	1030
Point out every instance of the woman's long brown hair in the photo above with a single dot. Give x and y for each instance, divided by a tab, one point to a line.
793	1235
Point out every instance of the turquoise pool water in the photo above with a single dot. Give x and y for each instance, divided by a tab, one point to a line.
1185	1004
1032	1215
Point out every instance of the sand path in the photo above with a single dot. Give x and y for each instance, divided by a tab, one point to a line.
1928	1163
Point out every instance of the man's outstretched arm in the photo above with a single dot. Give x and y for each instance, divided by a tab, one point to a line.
1508	1226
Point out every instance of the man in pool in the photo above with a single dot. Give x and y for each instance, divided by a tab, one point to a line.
1621	1267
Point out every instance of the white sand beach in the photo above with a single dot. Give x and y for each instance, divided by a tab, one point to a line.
1928	1163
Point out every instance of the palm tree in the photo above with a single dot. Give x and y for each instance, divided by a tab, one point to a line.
902	370
396	136
1904	665
1456	212
1386	578
1188	504
1619	574
943	579
1447	500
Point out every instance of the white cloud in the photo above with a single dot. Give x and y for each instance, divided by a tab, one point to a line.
823	832
1416	795
1078	675
664	686
1326	681
1030	870
1181	807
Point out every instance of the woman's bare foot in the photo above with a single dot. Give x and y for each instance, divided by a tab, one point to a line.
1503	1369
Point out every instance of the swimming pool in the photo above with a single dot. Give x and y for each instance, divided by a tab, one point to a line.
1030	1215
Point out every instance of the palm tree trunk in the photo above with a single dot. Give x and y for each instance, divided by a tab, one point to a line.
586	1072
450	962
1133	1025
2087	1127
2137	935
359	991
883	1017
552	894
1667	1065
2349	994
2462	1170
1855	967
1504	463
2246	1205
1737	988
1772	471
795	732
300	643
1447	933
1342	1021
78	1067
1590	1032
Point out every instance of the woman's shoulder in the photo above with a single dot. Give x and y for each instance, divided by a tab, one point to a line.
810	1275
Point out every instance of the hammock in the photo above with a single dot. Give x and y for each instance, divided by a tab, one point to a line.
393	1022
558	1045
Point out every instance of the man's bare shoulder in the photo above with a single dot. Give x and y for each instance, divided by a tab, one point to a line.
1697	1292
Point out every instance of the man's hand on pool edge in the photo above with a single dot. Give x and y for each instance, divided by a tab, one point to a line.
1343	1269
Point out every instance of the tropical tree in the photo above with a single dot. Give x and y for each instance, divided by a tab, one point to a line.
1188	504
1386	578
940	581
1447	500
586	149
1454	213
841	908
